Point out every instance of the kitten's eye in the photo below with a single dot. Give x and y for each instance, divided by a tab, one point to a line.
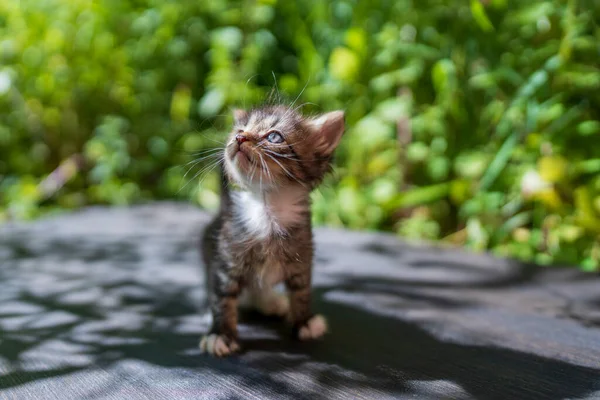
275	137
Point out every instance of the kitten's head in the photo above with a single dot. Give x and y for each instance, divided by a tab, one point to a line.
273	147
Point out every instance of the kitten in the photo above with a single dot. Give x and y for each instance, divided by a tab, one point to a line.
262	234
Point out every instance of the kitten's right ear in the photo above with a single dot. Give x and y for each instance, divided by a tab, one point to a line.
240	116
329	129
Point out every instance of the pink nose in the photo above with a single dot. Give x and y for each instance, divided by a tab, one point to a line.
241	138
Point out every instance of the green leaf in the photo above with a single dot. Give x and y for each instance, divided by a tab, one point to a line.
211	103
499	162
344	64
480	16
420	196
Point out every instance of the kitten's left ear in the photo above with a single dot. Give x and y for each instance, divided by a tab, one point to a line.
329	129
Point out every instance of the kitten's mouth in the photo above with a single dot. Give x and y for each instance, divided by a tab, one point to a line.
242	158
242	153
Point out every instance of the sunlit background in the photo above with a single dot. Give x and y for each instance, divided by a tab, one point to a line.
474	123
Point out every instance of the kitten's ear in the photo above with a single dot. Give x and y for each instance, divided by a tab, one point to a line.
329	129
240	116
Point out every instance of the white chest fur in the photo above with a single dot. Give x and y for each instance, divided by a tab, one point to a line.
263	215
254	214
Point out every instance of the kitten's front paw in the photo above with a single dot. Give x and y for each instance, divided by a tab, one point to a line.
313	329
218	345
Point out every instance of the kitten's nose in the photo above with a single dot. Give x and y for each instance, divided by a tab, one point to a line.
241	138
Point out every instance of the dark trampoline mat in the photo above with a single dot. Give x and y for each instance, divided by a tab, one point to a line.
106	303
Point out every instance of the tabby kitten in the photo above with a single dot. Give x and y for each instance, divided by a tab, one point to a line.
262	234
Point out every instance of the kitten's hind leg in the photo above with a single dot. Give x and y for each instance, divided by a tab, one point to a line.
307	326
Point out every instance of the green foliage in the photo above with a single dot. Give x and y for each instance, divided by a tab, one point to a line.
472	122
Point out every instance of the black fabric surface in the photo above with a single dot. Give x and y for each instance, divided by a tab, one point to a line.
105	303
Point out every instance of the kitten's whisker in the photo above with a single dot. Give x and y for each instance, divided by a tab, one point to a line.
215	140
190	168
246	88
203	157
205	168
196	162
276	86
268	171
288	173
285	144
294	102
211	166
209	171
200	124
261	175
211	150
302	105
254	168
197	153
286	156
263	164
266	168
291	157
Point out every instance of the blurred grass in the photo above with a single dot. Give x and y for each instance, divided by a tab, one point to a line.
471	122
